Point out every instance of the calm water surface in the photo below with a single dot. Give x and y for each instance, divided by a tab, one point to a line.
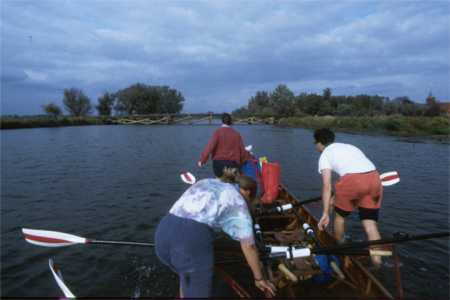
117	182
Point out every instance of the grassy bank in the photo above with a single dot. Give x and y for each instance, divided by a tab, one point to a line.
14	122
435	127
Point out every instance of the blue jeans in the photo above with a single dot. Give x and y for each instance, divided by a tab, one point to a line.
186	247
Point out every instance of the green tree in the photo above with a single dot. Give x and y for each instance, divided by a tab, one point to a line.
326	94
267	112
241	112
171	100
326	108
142	99
52	110
344	109
432	108
76	102
361	105
311	103
128	98
407	107
258	102
105	104
391	108
282	100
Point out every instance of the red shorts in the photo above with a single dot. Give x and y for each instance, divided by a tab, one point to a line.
359	190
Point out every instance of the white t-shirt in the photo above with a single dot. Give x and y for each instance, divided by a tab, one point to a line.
344	159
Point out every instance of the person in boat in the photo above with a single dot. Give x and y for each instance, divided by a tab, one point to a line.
359	185
225	148
184	237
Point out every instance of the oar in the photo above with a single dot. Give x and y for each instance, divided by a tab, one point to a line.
59	280
48	238
398	238
387	179
390	178
286	207
188	177
280	252
300	251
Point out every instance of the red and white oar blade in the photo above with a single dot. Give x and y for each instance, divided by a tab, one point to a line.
390	178
59	280
188	178
48	238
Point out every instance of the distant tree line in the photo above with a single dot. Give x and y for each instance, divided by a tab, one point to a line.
136	99
282	102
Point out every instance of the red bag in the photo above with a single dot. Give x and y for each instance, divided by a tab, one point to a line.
271	181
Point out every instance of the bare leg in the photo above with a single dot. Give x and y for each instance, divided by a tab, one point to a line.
339	227
371	228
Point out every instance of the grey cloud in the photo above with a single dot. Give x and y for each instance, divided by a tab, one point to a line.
10	75
224	50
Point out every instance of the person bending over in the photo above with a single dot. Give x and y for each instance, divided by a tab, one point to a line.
359	185
184	238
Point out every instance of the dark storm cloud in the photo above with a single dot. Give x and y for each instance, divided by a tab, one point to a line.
219	53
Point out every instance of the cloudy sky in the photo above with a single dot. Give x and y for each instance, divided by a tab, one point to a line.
219	53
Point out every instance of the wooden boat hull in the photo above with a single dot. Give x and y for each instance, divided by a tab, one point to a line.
356	281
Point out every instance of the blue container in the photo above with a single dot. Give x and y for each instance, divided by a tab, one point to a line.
324	263
250	168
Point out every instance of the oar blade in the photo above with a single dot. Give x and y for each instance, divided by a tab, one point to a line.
59	280
48	238
188	177
390	178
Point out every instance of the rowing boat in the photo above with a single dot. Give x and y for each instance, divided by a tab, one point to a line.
299	277
292	226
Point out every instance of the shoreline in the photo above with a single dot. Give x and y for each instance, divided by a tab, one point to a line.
408	129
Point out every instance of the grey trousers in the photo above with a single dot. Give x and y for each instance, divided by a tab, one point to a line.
186	247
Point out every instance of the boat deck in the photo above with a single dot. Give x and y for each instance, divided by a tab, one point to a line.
234	277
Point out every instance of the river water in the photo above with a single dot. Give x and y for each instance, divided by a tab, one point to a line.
117	182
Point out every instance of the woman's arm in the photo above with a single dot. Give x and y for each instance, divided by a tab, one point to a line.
251	255
209	148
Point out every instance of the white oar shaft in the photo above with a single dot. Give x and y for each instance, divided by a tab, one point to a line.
121	243
59	280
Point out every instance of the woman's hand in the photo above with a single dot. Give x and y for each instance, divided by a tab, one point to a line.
266	287
324	221
251	255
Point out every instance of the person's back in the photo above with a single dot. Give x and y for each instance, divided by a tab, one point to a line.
184	238
225	147
344	159
217	204
228	140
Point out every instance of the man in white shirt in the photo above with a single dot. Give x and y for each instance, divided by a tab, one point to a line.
359	185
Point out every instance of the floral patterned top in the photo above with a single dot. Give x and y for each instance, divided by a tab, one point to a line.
218	205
